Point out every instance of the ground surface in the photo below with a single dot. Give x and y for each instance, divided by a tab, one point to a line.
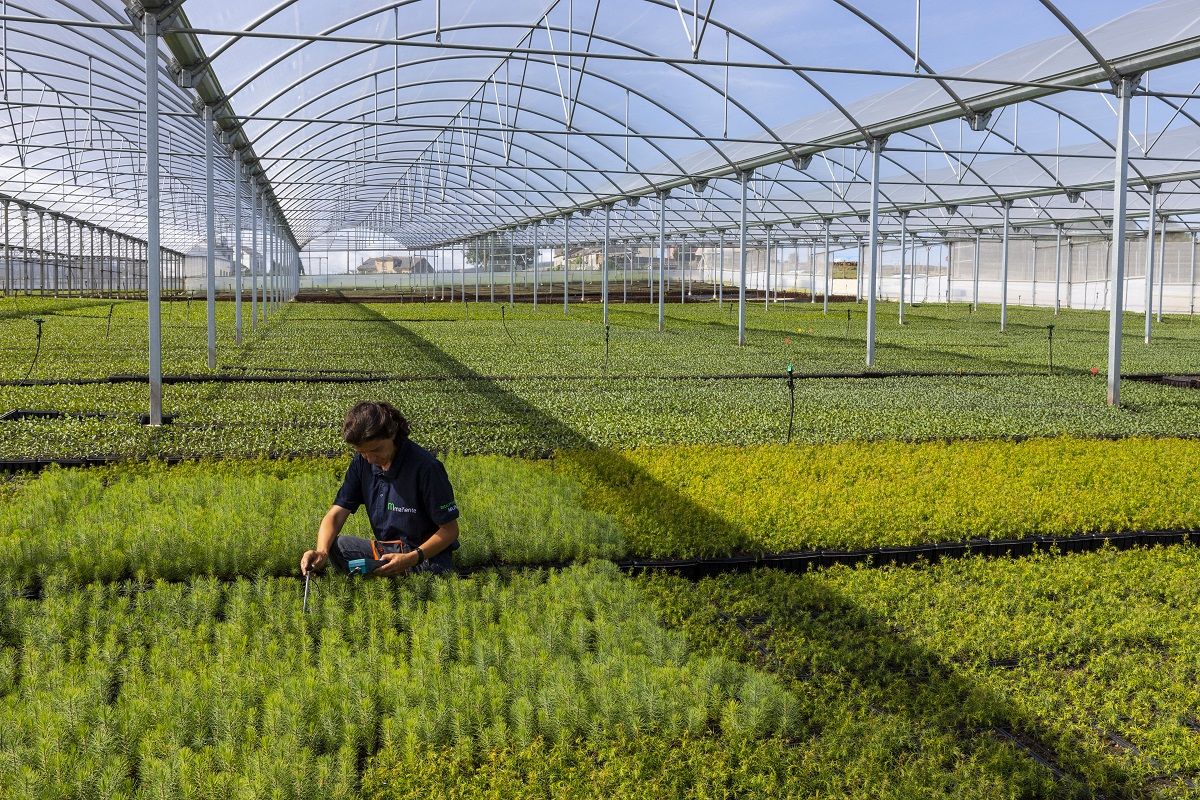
152	642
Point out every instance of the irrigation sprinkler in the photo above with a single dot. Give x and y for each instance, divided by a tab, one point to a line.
108	327
791	377
38	348
1050	344
606	326
847	322
504	322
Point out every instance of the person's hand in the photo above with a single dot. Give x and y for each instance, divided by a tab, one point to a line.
394	564
313	560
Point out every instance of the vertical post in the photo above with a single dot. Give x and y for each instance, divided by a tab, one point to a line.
210	261
873	248
1058	230
258	204
478	267
604	265
858	284
153	287
491	252
662	258
566	263
1150	257
536	258
69	266
254	249
1162	266
1004	266
41	252
237	246
828	272
721	278
903	258
512	266
267	260
812	269
57	260
1121	164
683	270
27	279
8	268
975	279
767	277
744	178
1192	280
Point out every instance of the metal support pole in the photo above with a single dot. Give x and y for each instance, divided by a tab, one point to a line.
254	248
8	267
566	263
1124	89
744	178
26	278
237	246
873	248
604	265
536	259
975	279
1004	266
721	279
828	272
57	264
858	284
1162	266
662	259
1150	257
69	266
812	269
41	252
512	267
1058	231
258	204
210	262
1192	280
903	258
767	276
153	287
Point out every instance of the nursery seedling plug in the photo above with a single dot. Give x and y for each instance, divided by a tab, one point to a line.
307	578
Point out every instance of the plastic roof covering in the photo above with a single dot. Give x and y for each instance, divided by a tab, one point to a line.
416	144
90	164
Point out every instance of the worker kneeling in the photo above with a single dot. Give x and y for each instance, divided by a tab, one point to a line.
408	497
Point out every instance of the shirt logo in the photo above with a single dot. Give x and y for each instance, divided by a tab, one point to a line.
400	509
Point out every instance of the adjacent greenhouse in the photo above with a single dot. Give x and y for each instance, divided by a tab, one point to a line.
815	388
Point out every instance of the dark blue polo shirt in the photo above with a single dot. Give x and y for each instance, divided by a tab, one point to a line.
409	501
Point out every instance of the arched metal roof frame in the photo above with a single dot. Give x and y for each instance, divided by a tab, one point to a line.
646	137
492	26
450	130
887	34
123	78
788	191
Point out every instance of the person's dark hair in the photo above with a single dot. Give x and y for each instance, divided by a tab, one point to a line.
370	420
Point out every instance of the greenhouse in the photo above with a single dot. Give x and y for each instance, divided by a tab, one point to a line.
599	399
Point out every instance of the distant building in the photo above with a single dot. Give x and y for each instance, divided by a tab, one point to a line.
395	265
196	259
